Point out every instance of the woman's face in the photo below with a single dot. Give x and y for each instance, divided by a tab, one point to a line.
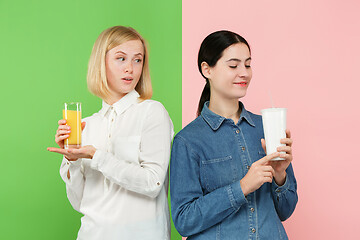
231	75
124	65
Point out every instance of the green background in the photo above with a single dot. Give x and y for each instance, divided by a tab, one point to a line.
45	47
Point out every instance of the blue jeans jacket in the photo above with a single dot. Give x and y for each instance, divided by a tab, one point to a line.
209	158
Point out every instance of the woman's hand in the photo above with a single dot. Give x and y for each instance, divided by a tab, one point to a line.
259	173
281	166
63	132
73	154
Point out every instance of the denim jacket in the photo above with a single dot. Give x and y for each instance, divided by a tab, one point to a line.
209	158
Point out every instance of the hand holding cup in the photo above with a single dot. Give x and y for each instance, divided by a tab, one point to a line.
285	152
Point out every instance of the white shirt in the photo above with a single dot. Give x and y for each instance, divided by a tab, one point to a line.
122	191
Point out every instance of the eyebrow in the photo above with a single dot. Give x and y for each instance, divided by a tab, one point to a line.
238	60
126	54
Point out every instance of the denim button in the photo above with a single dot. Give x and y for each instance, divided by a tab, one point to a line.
253	230
252	209
277	190
243	148
248	167
237	131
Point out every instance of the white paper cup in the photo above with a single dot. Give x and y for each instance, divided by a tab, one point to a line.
274	122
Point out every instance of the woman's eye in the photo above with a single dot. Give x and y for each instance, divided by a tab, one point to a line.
121	58
247	66
138	60
235	66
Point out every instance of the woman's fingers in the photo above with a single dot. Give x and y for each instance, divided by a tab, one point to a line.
268	174
61	138
288	157
57	150
266	159
62	132
268	179
287	141
64	127
62	122
64	152
288	133
286	149
263	144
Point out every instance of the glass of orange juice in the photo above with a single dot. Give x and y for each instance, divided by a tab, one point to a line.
72	115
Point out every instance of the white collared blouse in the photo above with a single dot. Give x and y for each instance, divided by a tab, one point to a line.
122	191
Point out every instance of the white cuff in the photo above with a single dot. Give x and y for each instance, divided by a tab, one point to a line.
97	159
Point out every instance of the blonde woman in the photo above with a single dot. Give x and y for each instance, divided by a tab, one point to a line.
118	178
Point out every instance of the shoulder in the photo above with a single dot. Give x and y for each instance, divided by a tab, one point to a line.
151	105
151	108
91	118
193	130
153	111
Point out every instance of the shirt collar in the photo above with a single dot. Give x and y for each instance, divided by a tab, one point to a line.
215	120
122	105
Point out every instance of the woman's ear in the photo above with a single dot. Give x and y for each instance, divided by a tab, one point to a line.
205	69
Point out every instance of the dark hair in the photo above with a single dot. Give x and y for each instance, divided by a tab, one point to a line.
211	51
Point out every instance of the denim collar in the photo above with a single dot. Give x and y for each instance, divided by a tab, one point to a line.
215	120
122	105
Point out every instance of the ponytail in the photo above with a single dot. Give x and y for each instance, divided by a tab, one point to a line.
205	96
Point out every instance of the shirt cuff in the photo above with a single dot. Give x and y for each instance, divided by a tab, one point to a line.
71	164
97	160
236	195
279	189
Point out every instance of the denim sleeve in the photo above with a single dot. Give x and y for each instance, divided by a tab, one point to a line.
192	211
285	197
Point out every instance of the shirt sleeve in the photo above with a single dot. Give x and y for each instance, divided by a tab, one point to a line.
74	185
285	197
148	176
192	211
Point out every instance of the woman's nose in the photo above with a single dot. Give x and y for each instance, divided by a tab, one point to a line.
243	72
129	67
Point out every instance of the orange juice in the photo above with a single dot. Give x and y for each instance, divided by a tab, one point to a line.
73	119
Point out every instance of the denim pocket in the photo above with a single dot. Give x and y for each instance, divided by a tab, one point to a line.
218	172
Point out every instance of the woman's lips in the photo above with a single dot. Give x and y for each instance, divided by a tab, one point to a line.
241	84
127	79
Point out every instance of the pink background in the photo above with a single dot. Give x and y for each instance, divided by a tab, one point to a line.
308	54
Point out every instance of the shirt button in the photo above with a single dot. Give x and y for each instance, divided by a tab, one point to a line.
158	183
109	135
252	209
237	131
277	190
248	167
253	230
112	120
243	148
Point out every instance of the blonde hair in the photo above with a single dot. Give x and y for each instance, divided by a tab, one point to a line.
96	76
